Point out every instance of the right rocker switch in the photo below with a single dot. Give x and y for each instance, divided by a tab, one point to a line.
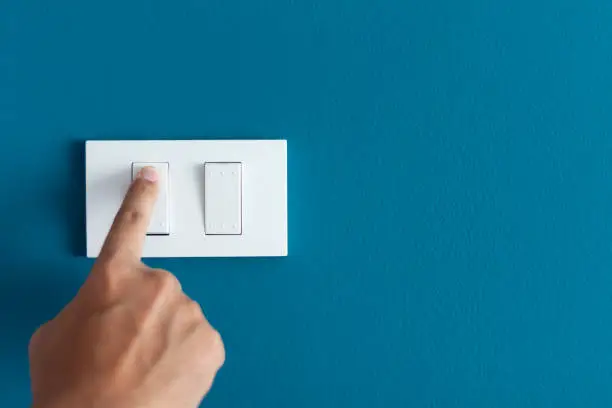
223	198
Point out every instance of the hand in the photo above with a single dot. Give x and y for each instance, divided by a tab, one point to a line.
130	337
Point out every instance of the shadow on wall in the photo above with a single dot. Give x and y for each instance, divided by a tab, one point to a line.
75	199
30	293
28	298
33	291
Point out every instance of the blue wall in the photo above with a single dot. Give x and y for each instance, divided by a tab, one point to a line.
450	191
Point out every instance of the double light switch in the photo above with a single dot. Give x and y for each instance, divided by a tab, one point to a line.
222	198
217	198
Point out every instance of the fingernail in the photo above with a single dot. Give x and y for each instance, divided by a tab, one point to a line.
148	173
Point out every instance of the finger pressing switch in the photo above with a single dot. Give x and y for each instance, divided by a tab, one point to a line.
160	223
223	198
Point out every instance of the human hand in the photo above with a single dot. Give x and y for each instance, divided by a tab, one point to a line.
130	337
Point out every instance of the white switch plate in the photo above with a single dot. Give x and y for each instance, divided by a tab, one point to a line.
263	194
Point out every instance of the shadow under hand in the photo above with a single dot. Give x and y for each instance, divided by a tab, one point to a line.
29	298
75	199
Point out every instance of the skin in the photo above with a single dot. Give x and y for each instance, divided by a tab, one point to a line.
130	337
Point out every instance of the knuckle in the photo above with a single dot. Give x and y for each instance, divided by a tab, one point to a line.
193	309
212	351
216	340
141	188
140	196
218	347
131	216
165	282
106	282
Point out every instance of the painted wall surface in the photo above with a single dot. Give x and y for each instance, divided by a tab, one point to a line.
450	189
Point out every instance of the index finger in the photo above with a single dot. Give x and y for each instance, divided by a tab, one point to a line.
126	237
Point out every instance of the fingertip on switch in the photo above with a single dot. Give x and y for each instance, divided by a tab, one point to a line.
148	173
156	173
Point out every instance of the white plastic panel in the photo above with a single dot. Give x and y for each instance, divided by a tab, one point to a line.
263	194
160	222
223	198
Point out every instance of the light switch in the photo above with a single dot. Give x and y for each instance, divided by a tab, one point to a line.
223	198
201	211
160	223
